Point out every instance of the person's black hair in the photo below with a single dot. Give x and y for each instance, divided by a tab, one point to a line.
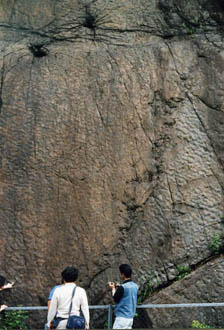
2	281
70	274
126	270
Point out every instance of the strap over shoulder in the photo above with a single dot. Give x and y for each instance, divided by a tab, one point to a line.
70	307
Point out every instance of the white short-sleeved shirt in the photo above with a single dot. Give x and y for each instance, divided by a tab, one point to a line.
61	300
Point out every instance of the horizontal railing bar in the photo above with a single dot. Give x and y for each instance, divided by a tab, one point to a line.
138	306
32	308
181	305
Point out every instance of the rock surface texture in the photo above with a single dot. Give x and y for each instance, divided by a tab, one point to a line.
112	148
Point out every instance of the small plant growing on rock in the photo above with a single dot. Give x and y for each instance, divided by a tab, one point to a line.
222	219
147	288
198	325
216	246
183	271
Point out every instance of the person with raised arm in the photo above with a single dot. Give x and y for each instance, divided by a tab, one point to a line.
4	286
125	297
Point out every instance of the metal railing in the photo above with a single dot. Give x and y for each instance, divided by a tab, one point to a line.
110	308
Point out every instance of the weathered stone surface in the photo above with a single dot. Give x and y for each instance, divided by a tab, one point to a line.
206	283
111	141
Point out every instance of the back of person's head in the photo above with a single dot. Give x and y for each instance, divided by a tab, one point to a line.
126	270
70	274
2	281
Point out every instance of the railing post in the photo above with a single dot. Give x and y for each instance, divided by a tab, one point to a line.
110	317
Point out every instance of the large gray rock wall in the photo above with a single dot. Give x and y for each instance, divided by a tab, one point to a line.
111	142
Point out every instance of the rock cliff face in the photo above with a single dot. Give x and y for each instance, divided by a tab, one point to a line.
112	146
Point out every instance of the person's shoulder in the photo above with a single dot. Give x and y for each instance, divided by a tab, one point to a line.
137	286
132	283
80	289
56	287
60	290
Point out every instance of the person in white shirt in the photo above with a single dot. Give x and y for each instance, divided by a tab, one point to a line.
61	300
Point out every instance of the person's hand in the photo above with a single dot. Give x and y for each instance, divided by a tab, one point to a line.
111	285
2	307
87	326
8	285
117	284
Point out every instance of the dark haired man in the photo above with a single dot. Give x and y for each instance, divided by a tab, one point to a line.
125	297
61	300
4	286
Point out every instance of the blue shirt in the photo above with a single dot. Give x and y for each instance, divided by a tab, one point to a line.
52	291
127	305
